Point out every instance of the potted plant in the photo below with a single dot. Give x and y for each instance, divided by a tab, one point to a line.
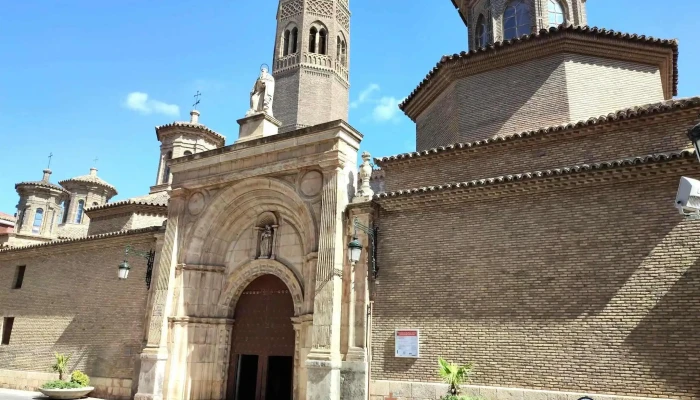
454	375
76	388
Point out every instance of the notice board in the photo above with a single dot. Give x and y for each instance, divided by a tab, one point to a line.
407	343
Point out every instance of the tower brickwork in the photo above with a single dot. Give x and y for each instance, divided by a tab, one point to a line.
311	62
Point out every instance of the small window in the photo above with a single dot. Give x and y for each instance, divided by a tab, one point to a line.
556	14
61	211
295	34
79	213
19	276
312	39
20	219
166	169
65	213
188	153
482	35
94	204
7	323
38	219
322	42
516	20
285	43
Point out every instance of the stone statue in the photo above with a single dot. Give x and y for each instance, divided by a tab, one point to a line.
266	242
262	94
365	193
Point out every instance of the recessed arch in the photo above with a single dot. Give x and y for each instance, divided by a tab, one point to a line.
237	281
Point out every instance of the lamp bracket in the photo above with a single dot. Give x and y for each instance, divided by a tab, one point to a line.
148	255
372	234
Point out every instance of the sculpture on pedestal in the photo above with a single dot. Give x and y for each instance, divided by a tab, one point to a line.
262	94
266	242
365	192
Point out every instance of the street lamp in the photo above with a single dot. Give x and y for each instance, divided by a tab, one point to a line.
124	267
355	247
694	136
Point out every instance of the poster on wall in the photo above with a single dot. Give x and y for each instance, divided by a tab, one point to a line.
406	343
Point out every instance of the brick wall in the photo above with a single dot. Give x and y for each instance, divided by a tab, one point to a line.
552	90
615	140
592	289
72	302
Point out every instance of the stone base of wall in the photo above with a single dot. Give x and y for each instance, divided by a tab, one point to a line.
399	390
105	388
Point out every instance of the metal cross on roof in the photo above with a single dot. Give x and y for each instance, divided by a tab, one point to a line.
95	161
50	155
196	100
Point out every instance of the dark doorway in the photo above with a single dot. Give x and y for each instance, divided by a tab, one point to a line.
262	343
247	377
279	377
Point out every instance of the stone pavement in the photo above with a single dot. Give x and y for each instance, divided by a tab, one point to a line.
9	394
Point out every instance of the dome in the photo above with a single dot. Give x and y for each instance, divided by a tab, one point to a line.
92	179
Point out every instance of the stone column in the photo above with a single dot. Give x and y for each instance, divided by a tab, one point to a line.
302	345
324	360
155	355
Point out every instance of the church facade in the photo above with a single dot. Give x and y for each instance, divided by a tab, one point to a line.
532	233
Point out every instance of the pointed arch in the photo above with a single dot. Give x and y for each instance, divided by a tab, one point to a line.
482	32
323	41
313	32
516	19
294	38
556	13
285	42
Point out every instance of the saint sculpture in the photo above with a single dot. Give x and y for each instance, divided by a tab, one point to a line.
262	94
266	242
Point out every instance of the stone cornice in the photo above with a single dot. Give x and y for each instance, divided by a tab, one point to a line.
187	127
94	239
577	40
217	269
126	208
610	121
201	320
647	167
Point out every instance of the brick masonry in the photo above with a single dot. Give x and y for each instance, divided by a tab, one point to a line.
72	302
552	90
587	288
602	142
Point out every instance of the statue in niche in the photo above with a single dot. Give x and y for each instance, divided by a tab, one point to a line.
266	239
262	94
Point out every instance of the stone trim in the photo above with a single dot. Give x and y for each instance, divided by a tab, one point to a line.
83	239
217	269
217	138
633	113
382	390
543	180
201	320
580	40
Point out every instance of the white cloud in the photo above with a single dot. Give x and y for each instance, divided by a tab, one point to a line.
387	109
140	102
365	95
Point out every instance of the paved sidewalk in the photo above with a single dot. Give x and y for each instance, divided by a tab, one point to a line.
9	394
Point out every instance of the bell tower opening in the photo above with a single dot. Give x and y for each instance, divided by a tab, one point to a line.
262	343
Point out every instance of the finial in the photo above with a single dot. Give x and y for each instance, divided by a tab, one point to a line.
365	193
93	171
194	117
47	174
196	100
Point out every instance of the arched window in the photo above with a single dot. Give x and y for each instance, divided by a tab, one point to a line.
293	40
312	39
322	41
188	153
556	14
94	204
79	212
38	218
61	211
337	49
482	32
65	213
516	19
166	167
285	43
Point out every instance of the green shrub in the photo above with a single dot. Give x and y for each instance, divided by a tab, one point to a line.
60	385
453	375
80	378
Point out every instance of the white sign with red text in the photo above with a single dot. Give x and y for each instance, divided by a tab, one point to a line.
407	343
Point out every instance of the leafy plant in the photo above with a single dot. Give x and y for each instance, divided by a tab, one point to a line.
454	397
80	378
454	375
61	365
58	384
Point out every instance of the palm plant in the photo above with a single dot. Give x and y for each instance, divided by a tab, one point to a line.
454	375
61	365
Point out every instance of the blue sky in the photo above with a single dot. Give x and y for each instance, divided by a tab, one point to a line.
68	68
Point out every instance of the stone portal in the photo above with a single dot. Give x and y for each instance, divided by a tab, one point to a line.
262	343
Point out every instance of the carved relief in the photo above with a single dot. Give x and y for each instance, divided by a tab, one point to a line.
311	183
343	18
291	9
196	203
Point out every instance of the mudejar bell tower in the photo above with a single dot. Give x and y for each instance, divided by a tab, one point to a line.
311	62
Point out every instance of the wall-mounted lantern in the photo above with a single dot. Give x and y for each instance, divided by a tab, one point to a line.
694	136
355	246
124	267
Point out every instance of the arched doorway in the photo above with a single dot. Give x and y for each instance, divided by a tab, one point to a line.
262	343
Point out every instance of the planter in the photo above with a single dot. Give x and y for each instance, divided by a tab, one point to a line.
67	394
